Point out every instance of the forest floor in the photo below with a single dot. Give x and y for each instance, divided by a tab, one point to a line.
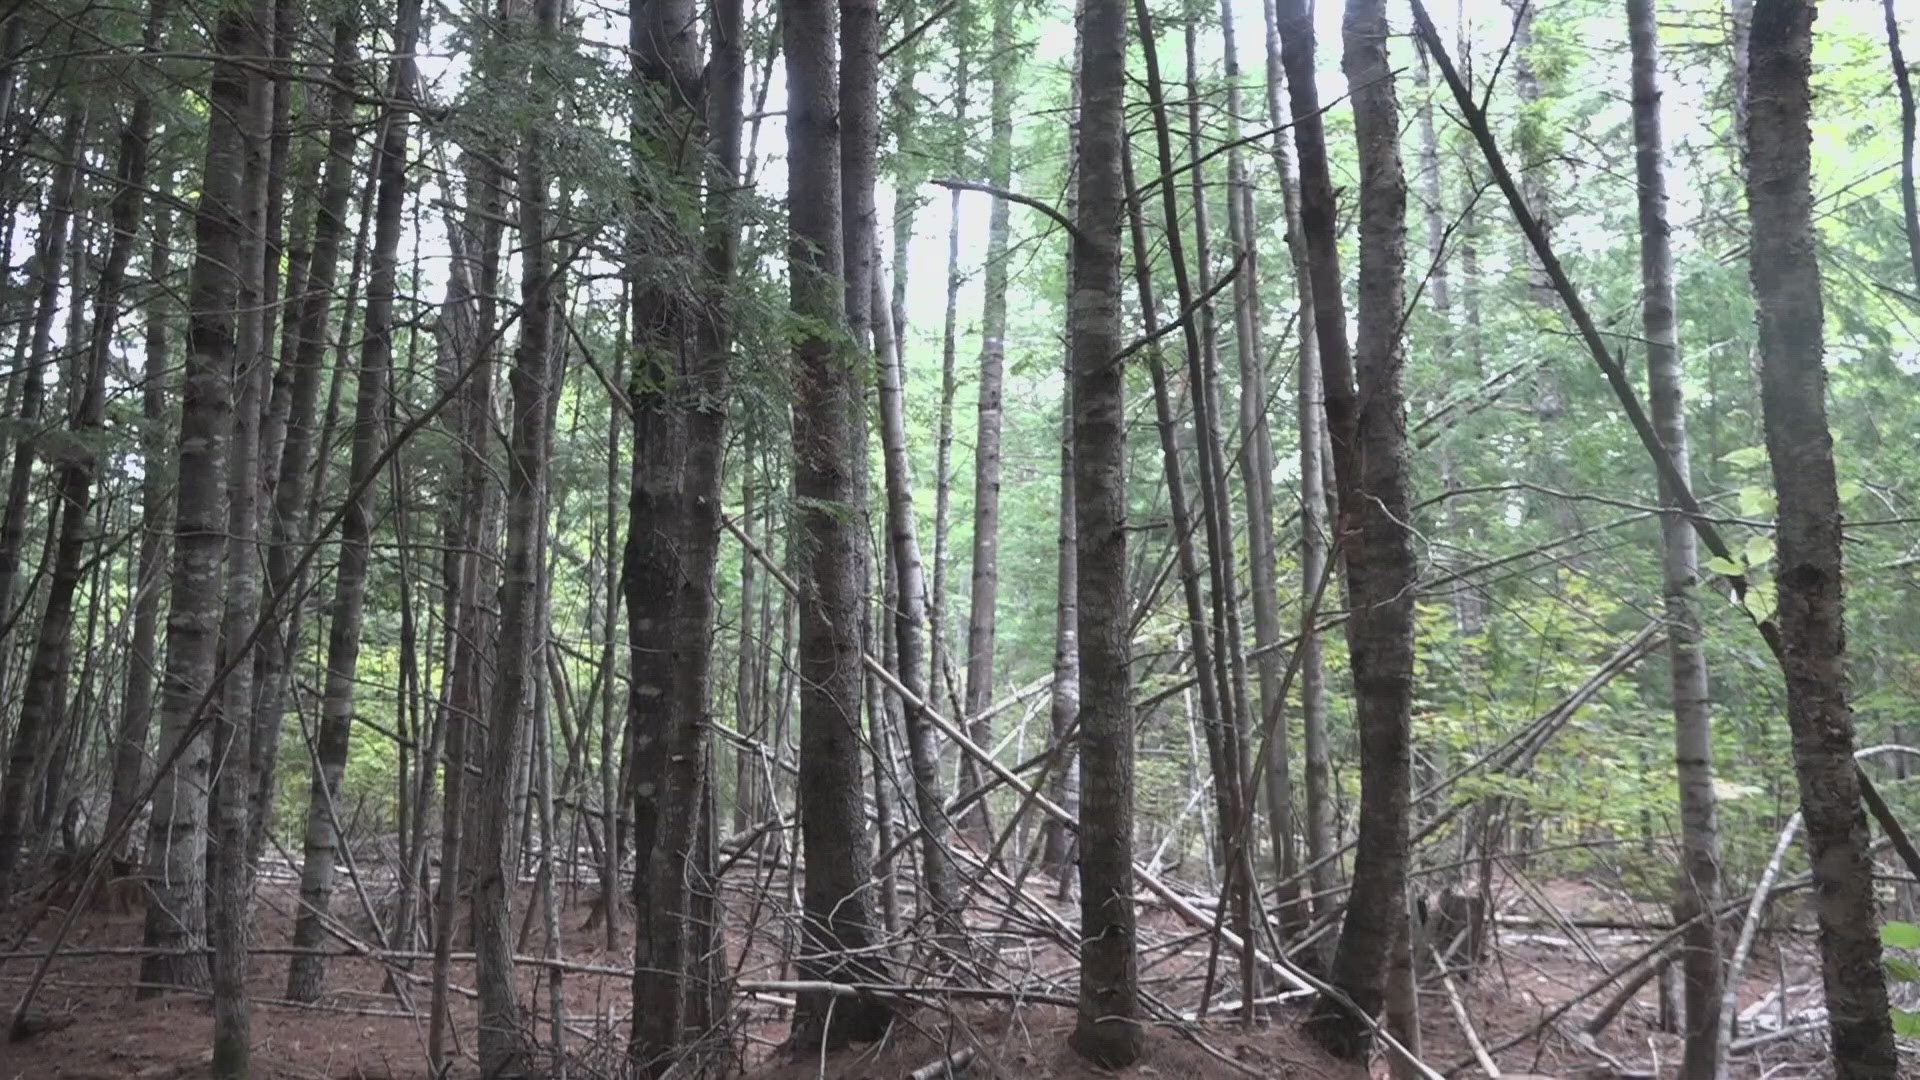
91	1025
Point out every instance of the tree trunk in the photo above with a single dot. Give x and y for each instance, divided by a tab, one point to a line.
473	279
909	618
1909	201
939	663
176	920
136	707
1201	631
1108	1031
1322	876
230	898
1698	890
674	547
984	597
1256	471
1063	710
859	117
1787	294
1370	463
288	522
836	926
307	971
503	1045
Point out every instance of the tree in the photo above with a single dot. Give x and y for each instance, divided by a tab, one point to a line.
297	381
1366	410
827	396
681	371
533	379
1108	1032
176	917
1312	421
1002	70
1698	893
230	892
1787	295
332	741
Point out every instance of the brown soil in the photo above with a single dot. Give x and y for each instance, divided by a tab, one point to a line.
90	1025
1032	1045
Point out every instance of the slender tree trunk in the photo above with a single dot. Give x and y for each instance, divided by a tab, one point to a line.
307	971
288	524
1370	448
1108	1032
136	707
674	548
230	898
1698	892
1256	470
503	1049
1903	81
1787	294
836	925
1740	23
859	117
611	900
1530	133
939	675
984	597
909	619
1314	533
475	267
746	685
1063	711
1220	714
176	921
1179	512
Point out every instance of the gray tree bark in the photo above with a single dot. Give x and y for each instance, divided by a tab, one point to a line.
1367	414
984	597
1698	888
230	896
1787	295
828	396
306	972
1108	1032
503	1049
288	524
1314	531
909	621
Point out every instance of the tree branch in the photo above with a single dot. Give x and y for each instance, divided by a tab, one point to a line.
1015	197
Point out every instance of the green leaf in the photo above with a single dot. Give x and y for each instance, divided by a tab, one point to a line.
1758	550
1747	457
1900	935
1725	567
1900	969
1757	501
1906	1024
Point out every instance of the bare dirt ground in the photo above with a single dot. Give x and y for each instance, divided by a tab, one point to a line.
91	1025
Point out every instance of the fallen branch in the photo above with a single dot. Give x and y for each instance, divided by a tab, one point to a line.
1730	999
1487	1064
951	1065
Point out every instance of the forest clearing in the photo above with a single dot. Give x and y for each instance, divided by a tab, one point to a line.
939	538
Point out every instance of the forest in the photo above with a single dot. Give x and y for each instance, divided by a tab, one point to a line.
937	538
